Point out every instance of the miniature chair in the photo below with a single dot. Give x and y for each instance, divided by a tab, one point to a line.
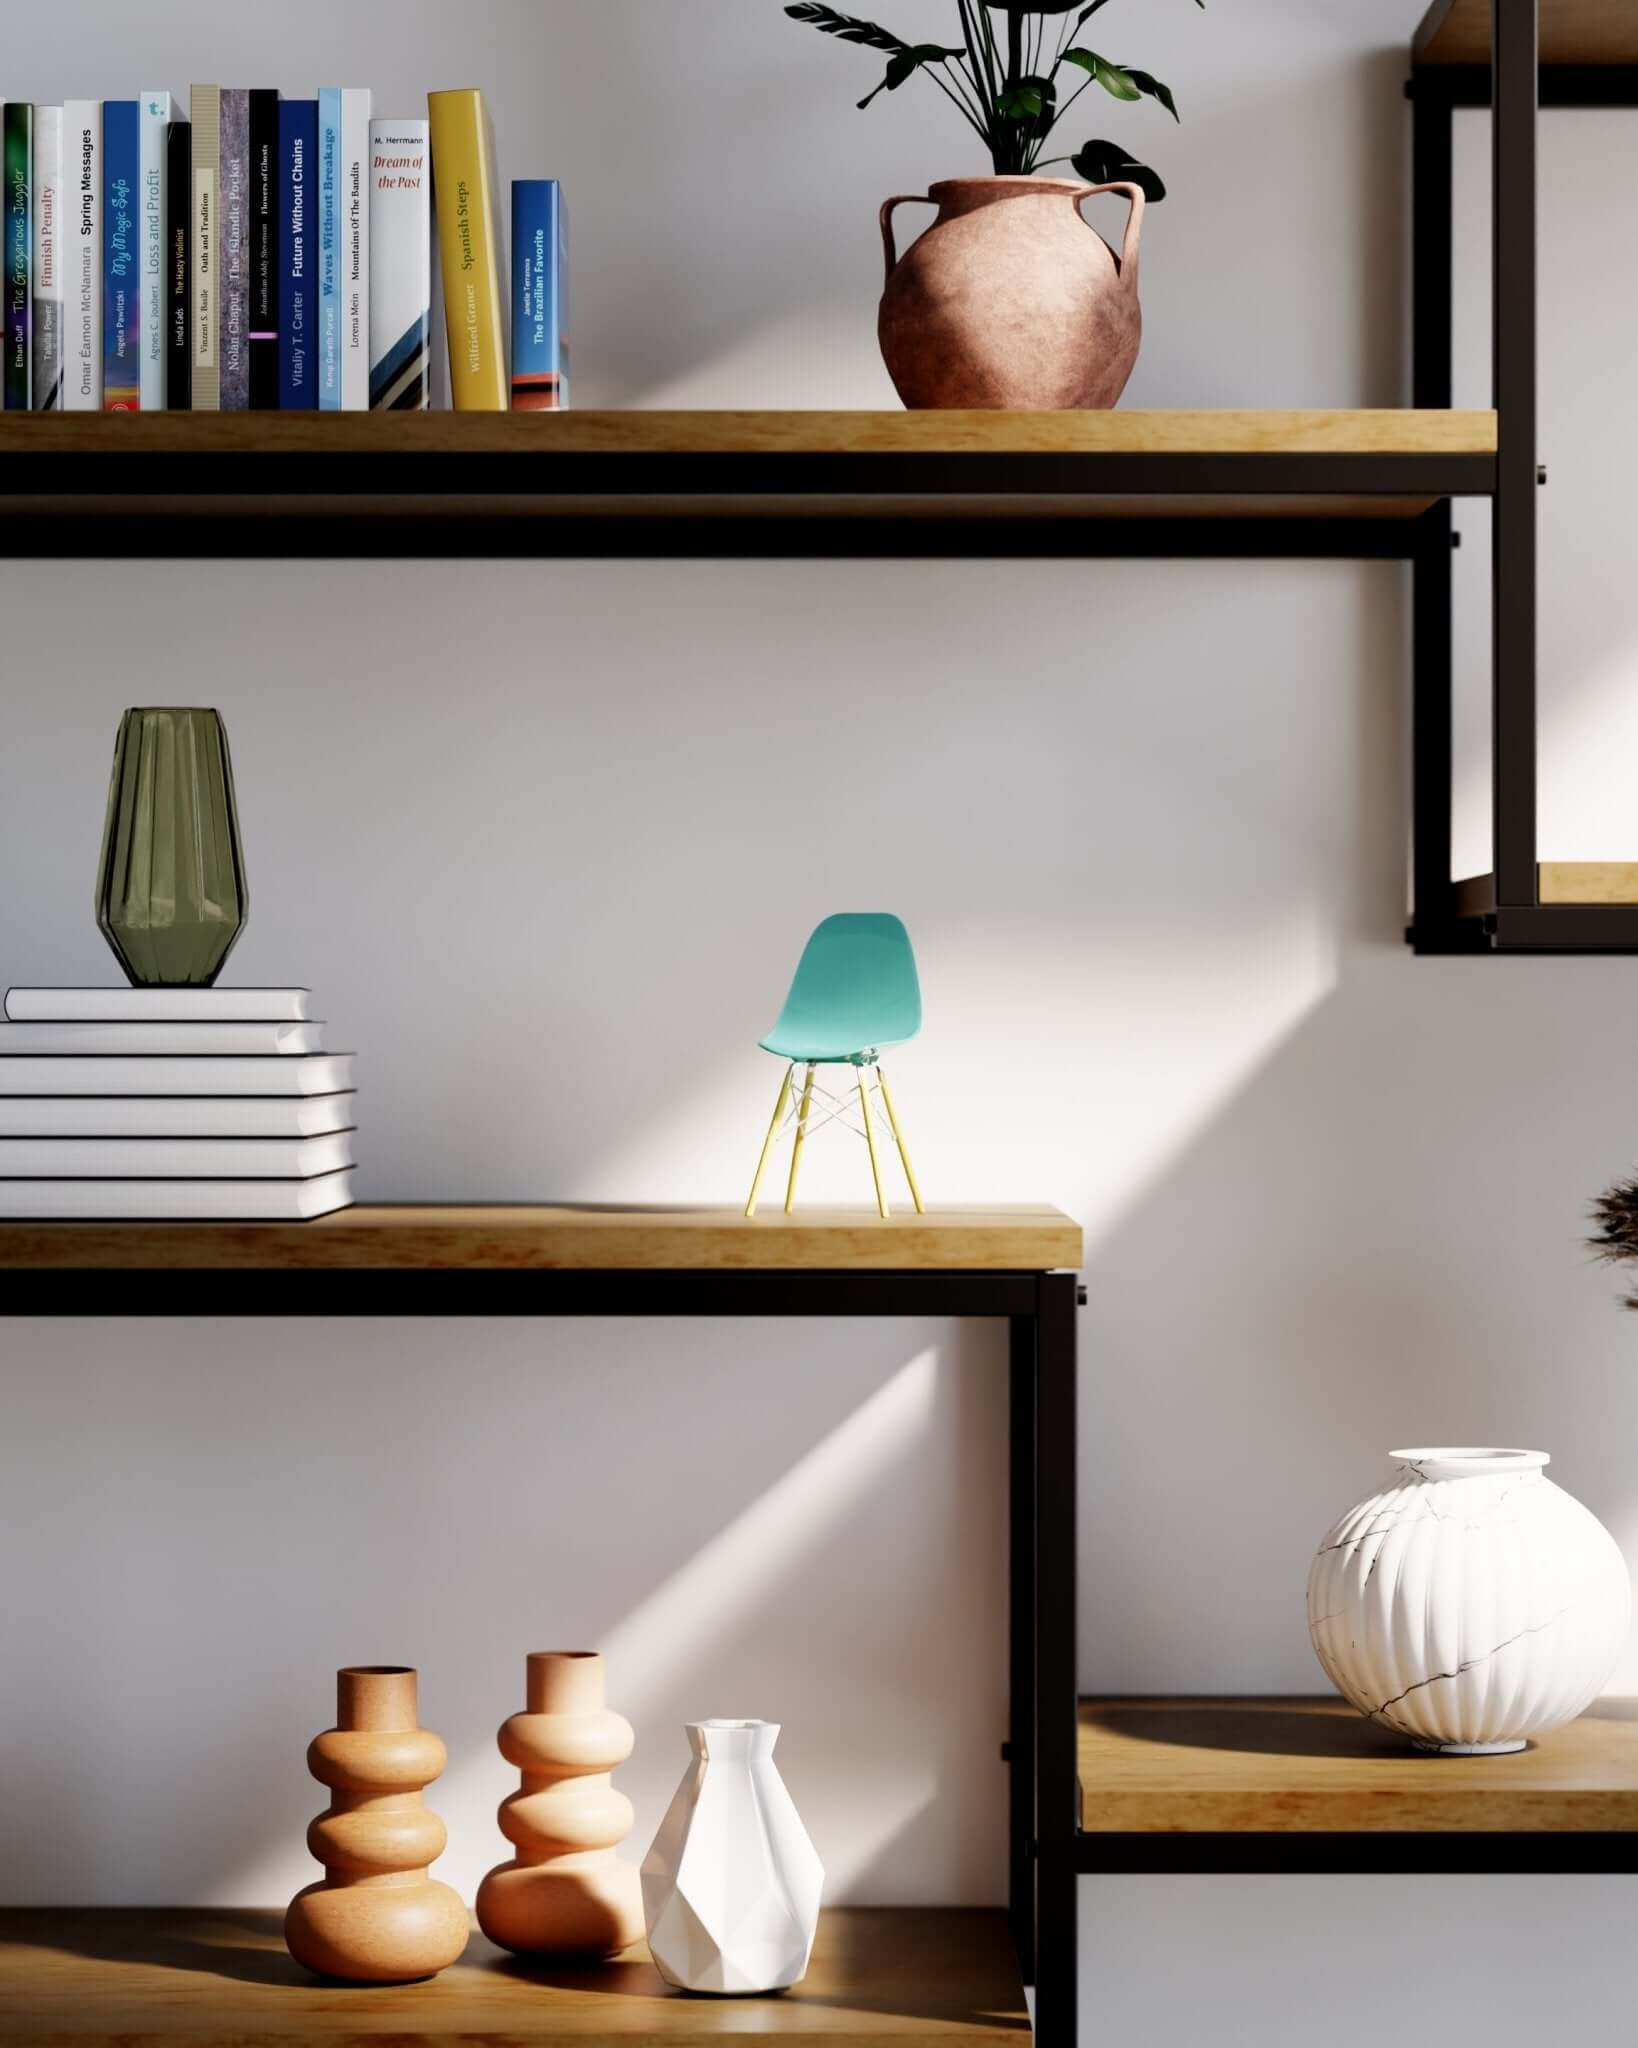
855	991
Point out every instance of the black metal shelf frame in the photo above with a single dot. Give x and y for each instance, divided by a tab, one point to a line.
1039	1309
1512	86
1047	1849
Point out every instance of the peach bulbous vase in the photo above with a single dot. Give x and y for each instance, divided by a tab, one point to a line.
376	1917
564	1892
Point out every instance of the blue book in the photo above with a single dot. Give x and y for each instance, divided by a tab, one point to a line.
121	257
329	248
540	296
298	254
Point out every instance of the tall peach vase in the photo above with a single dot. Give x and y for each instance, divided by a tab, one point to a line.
565	1892
377	1917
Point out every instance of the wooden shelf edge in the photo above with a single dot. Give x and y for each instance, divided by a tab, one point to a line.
1593	32
879	1979
412	1238
1584	882
1314	1766
1383	431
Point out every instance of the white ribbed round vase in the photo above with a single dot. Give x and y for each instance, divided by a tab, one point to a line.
1470	1606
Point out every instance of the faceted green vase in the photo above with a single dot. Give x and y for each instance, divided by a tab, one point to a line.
171	894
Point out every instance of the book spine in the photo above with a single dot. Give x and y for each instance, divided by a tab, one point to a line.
178	267
264	251
121	258
17	215
204	253
400	267
355	250
154	119
48	259
298	273
540	381
233	301
329	249
463	172
82	256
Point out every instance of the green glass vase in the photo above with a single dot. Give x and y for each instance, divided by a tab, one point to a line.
171	893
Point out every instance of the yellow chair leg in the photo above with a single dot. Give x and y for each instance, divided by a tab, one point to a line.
801	1135
870	1140
898	1139
768	1142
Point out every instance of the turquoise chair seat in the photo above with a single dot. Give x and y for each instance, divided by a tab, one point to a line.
855	991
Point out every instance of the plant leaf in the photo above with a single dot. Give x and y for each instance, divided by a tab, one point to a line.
906	64
1111	77
1146	81
847	26
1106	163
1028	99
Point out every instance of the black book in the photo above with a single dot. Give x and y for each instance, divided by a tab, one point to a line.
263	252
178	250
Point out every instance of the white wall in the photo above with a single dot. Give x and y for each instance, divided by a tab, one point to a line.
547	840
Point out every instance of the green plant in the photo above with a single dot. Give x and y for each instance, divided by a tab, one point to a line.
1001	87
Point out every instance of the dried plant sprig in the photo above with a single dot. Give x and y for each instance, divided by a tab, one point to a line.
1615	1235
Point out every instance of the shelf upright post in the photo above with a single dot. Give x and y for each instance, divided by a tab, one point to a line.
1433	199
1514	95
1021	1759
1057	1697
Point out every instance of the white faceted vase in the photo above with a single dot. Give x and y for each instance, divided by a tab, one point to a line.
731	1886
1472	1605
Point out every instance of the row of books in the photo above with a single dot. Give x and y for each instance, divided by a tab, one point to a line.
269	254
172	1104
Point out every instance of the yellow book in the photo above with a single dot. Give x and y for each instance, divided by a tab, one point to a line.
463	183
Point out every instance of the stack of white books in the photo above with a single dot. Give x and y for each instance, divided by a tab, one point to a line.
172	1103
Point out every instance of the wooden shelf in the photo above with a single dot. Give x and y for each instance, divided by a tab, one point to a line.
1559	881
193	1979
541	436
1572	32
659	467
1215	1766
1019	1239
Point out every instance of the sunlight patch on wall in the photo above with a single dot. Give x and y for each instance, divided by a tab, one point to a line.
1165	1026
664	1658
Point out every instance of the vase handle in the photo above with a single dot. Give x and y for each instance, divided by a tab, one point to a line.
904	199
1134	226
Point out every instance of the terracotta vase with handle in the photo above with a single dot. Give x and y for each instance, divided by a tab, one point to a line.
1011	301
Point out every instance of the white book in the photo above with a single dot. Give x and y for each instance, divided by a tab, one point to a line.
355	249
155	112
48	255
174	1158
400	267
277	1041
175	1116
131	1074
82	256
176	1201
159	1005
